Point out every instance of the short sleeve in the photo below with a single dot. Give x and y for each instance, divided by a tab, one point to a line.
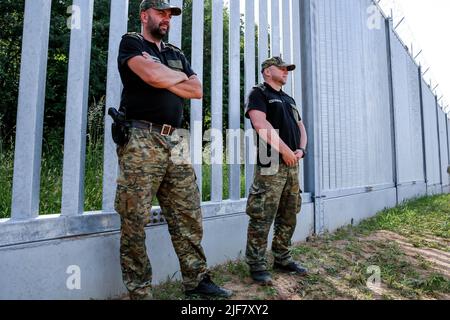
296	112
187	67
130	47
256	101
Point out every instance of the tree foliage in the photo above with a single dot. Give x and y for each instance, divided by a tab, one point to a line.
11	30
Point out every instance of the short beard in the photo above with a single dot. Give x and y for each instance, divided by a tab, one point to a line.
156	31
281	80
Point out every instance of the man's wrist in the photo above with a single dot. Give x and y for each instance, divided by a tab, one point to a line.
303	150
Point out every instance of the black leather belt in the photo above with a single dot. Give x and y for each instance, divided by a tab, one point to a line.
164	130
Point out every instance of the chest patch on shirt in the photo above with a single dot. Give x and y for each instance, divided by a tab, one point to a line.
176	64
275	101
297	116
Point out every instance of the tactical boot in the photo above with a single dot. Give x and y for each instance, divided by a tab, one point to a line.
208	288
261	277
291	267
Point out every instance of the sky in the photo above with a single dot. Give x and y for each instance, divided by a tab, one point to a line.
430	24
427	24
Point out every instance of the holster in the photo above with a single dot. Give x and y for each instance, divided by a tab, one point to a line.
120	129
120	134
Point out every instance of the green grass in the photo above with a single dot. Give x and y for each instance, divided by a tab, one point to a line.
52	173
206	182
420	218
6	172
339	262
52	170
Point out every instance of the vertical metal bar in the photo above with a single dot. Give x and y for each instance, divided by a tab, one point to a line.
117	27
310	47
296	49
234	140
297	74
76	110
438	141
287	55
176	25
250	78
443	154
216	101
395	149
422	117
197	105
263	35
448	138
275	39
30	112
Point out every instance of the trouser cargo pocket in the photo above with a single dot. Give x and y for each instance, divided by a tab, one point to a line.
256	202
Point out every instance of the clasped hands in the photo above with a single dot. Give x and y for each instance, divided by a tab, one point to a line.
292	158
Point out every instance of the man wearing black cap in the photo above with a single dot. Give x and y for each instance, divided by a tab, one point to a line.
274	195
157	78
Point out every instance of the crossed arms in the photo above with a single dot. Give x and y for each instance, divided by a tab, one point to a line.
159	76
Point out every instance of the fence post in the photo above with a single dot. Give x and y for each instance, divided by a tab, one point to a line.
448	139
197	105
297	73
76	110
30	112
395	164
275	38
287	55
216	101
312	111
441	165
176	25
234	115
263	36
250	78
422	116
117	27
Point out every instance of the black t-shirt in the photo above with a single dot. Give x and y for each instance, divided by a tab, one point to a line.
142	101
281	112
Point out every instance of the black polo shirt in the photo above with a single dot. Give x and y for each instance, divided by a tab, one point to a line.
142	101
281	112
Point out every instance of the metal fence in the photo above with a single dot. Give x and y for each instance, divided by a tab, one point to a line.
377	135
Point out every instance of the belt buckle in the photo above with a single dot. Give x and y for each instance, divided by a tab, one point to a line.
165	131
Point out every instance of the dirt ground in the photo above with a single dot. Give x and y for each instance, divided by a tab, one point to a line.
401	253
423	262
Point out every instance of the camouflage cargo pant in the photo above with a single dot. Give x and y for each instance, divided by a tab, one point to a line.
272	198
146	170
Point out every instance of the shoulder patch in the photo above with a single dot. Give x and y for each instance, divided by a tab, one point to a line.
175	48
260	86
134	35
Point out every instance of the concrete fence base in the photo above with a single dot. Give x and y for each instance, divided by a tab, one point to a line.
48	269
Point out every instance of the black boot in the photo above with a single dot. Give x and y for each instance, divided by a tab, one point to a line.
291	267
208	288
261	277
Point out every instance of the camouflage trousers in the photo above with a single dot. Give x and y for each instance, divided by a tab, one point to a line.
147	170
272	199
